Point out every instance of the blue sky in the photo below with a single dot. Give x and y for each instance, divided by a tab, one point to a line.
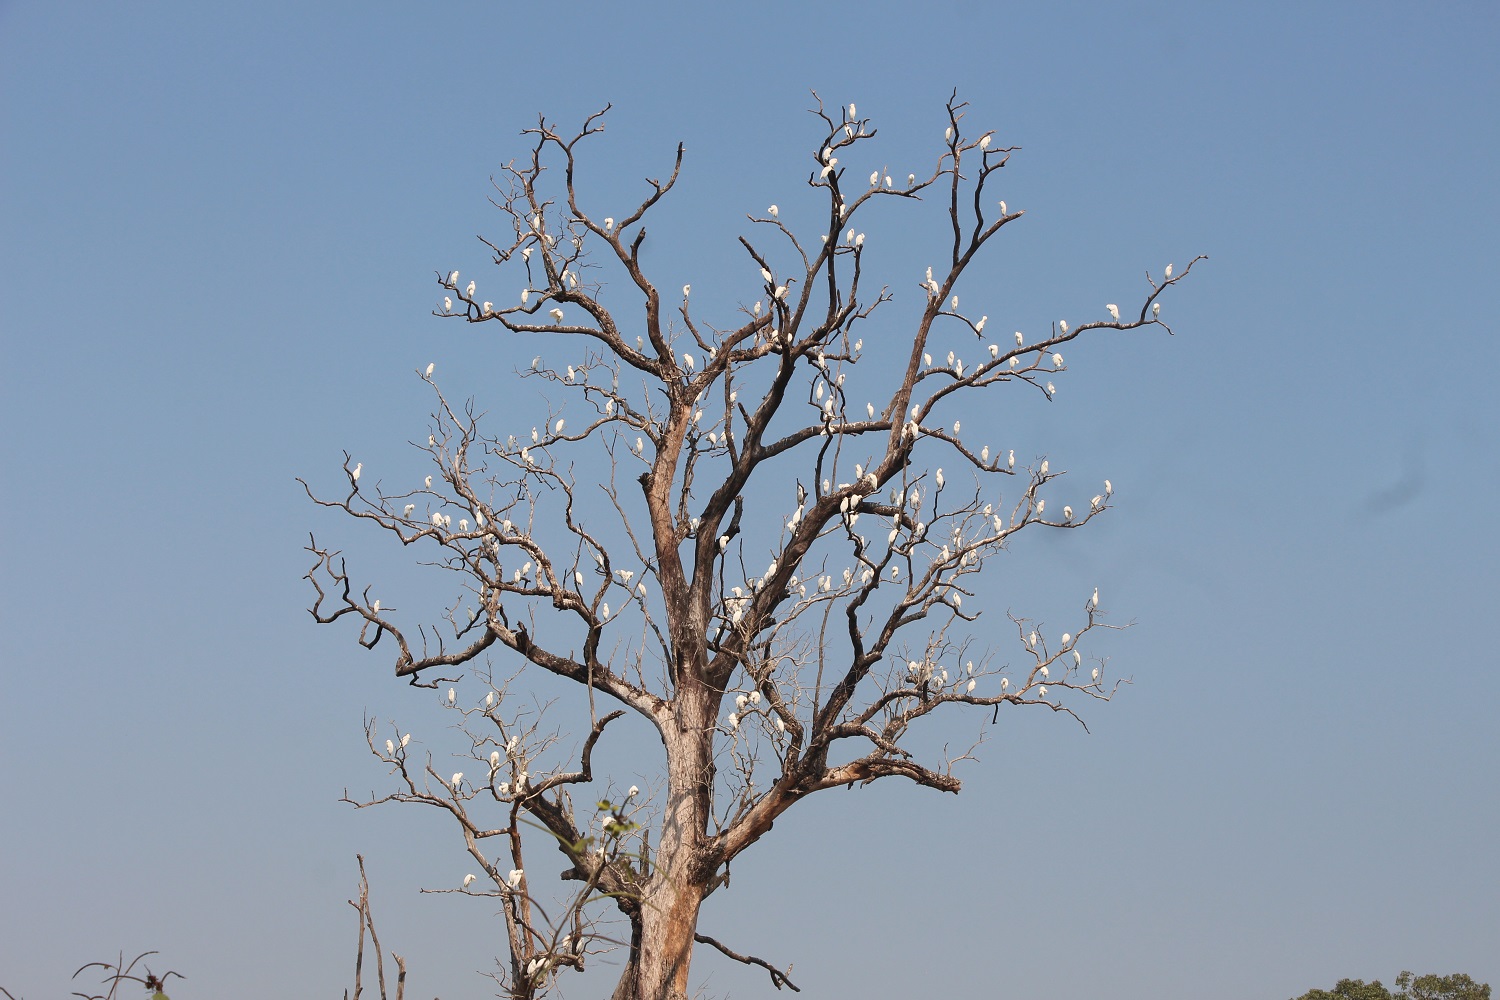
217	248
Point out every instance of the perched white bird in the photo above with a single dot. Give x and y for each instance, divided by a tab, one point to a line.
939	478
1108	488
687	362
1094	601
734	720
774	213
470	290
723	542
525	296
911	179
1095	675
1020	338
984	454
686	290
1051	390
870	409
452	695
453	278
1066	638
609	223
1043	690
468	881
1057	361
390	748
1155	310
1168	272
948	134
972	685
358	467
1114	311
1044	466
514	878
1010	460
428	482
1041	506
557	428
447	303
489	700
494	758
1062	325
634	791
458	780
851	109
556	314
766	274
430	367
405	740
489	307
1002	209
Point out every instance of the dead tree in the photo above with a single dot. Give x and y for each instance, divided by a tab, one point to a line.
777	653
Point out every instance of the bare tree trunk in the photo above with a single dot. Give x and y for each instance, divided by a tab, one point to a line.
672	896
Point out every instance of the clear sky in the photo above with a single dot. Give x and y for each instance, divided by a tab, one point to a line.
219	235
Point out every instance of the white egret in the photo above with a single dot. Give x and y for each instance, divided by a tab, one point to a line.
640	445
556	314
1114	311
1044	466
994	350
447	303
1108	488
557	428
1004	683
774	213
458	780
874	178
870	409
1067	513
1062	325
430	366
609	223
781	294
859	240
1051	390
405	740
734	720
948	134
526	254
525	296
634	791
740	701
452	695
453	278
1095	675
390	748
972	685
979	327
911	179
1041	506
851	109
1066	638
1010	460
939	478
766	274
1094	601
470	290
1097	500
468	881
489	307
604	612
1155	310
687	361
1168	272
494	759
984	454
1002	209
358	467
1043	691
687	290
514	878
723	542
437	520
1057	361
956	424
